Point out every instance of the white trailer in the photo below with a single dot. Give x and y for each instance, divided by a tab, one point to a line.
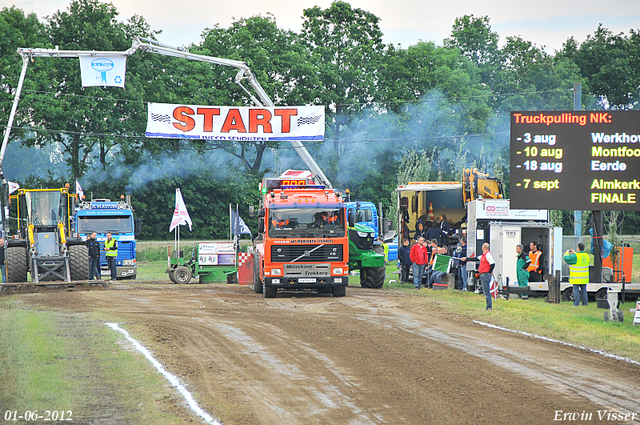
493	221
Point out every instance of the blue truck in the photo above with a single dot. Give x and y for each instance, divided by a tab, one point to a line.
105	216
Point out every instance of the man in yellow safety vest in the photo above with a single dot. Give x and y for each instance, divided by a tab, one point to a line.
111	253
578	273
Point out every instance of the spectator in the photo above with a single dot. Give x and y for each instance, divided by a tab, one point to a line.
385	249
462	265
487	264
420	231
3	267
94	256
418	255
436	275
522	267
444	224
578	274
111	253
405	261
535	268
435	233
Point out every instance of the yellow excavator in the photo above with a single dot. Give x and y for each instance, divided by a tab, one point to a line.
477	184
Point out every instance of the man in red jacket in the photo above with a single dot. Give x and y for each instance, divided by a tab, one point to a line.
419	258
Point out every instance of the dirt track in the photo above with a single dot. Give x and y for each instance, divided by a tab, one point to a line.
370	357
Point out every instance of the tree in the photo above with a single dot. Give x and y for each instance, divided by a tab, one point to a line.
611	66
347	48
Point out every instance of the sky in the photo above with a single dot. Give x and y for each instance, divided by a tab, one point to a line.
547	23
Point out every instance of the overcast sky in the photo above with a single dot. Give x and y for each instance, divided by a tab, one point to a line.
545	22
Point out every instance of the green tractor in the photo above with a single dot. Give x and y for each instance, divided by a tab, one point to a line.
367	256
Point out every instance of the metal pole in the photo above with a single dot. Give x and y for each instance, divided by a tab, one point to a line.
577	106
598	230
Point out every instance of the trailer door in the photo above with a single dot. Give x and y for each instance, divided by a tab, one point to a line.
504	240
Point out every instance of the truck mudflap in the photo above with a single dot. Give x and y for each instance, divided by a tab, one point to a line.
306	283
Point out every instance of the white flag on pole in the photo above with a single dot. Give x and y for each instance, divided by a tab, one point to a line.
180	213
79	191
104	71
13	187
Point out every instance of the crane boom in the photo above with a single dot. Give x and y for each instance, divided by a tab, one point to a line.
144	45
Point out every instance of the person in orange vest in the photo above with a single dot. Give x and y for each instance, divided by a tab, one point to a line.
280	222
535	268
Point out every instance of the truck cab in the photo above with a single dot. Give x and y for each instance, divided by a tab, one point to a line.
303	241
105	216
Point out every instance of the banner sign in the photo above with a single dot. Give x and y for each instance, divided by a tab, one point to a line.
103	71
235	124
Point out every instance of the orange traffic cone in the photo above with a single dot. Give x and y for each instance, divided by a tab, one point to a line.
430	215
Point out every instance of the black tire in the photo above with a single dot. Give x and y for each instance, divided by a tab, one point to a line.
79	262
172	275
182	274
269	291
567	295
339	291
257	283
17	264
620	316
372	277
606	315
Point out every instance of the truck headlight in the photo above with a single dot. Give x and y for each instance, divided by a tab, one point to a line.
128	262
337	270
276	281
276	272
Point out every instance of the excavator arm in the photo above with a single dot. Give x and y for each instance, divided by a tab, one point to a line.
144	45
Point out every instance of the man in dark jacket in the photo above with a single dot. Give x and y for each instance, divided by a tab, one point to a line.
436	233
405	261
421	232
94	256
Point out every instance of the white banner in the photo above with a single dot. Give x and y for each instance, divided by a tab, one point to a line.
79	191
235	124
106	71
180	213
13	187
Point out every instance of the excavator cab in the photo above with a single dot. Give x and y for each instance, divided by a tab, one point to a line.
44	245
477	184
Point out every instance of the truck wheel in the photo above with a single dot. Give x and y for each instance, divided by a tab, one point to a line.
372	277
269	291
17	264
172	275
257	283
339	291
567	295
79	262
182	274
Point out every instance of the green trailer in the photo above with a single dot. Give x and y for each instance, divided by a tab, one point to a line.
210	262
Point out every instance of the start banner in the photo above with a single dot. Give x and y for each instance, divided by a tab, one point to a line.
235	124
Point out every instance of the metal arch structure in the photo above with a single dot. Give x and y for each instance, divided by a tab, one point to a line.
145	45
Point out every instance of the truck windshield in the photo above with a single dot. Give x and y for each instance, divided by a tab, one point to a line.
306	222
103	224
43	208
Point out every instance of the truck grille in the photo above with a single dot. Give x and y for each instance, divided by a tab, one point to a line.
287	253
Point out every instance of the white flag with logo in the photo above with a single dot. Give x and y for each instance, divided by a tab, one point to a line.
13	187
105	71
180	214
79	191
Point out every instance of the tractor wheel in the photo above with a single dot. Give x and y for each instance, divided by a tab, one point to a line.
567	295
339	291
172	275
606	315
17	264
620	317
372	277
269	291
257	283
182	274
79	262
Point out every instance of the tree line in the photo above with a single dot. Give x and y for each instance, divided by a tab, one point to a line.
394	114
